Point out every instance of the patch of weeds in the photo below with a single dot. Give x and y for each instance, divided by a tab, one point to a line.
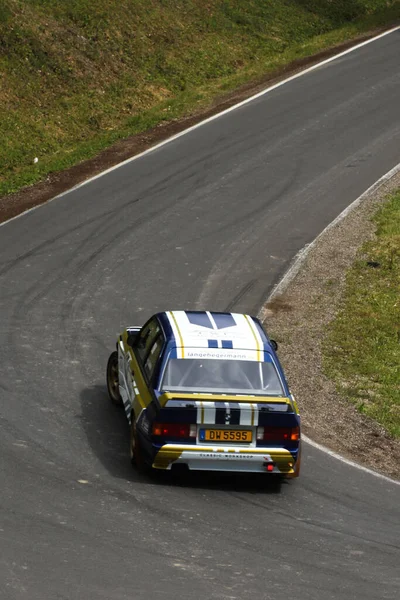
329	283
362	345
279	304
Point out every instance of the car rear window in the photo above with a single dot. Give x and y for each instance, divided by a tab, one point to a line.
221	376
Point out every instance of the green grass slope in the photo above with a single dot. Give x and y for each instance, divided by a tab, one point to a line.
77	75
362	347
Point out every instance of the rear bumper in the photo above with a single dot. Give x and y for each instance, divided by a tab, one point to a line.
249	460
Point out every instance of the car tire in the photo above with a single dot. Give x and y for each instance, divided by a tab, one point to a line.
112	379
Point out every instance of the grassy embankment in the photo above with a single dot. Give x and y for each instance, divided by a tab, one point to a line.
362	347
76	76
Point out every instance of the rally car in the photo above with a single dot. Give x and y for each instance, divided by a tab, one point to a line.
205	390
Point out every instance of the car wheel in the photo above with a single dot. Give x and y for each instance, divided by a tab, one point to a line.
112	379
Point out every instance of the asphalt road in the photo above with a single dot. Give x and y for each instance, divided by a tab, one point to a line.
210	220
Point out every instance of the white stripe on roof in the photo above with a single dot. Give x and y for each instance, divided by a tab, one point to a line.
243	335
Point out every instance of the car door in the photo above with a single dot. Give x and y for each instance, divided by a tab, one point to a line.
146	352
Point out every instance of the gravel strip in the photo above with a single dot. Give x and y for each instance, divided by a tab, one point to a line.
297	316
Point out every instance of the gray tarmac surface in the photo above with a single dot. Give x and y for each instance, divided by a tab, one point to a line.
211	220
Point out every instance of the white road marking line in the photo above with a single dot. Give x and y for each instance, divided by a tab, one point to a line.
209	119
291	274
347	461
303	253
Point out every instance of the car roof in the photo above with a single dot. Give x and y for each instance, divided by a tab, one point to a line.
214	330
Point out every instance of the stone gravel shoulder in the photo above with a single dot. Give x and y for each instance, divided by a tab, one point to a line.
300	309
297	315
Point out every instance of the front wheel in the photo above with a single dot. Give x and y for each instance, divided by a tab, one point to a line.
112	379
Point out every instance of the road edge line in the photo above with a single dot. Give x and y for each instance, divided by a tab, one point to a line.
290	275
267	90
347	461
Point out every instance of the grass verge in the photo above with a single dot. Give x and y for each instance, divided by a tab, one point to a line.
362	347
77	76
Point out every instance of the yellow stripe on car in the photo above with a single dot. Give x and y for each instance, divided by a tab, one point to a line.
191	398
258	344
179	334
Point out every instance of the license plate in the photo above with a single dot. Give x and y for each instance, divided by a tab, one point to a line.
225	435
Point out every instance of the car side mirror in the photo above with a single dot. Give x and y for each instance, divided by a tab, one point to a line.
274	344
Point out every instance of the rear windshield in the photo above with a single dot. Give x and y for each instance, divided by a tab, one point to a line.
221	377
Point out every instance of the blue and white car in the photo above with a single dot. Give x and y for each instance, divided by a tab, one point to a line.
205	390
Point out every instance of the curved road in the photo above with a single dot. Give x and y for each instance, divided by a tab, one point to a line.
211	219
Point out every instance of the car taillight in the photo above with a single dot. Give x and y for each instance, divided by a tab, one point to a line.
174	430
278	434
